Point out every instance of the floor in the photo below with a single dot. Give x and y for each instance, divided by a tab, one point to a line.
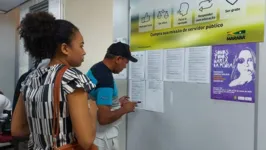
22	146
3	146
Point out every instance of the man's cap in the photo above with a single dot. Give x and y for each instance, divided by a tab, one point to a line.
121	49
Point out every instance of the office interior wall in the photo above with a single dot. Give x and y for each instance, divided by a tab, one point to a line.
192	120
8	40
94	19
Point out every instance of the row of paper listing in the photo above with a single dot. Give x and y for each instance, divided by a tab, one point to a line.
155	66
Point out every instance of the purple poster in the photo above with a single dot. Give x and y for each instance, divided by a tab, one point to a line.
233	72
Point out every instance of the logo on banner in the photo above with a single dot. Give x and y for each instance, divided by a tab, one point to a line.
238	35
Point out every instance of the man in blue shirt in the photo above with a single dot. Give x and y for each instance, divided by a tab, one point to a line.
110	108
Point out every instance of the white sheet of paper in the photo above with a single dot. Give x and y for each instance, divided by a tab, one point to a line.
174	64
137	92
121	75
154	96
154	65
136	70
198	64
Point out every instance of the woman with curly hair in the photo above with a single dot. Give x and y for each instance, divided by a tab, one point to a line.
61	42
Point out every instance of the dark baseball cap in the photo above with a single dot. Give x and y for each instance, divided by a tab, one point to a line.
121	49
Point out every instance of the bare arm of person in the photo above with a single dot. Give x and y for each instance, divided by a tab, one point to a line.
107	116
19	123
82	119
93	112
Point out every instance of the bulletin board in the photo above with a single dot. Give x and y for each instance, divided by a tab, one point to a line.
178	111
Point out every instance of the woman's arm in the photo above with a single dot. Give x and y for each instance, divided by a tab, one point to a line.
19	123
83	119
93	113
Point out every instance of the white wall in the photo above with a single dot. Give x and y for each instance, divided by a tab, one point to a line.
94	18
8	38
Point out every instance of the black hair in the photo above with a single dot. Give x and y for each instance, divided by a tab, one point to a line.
42	34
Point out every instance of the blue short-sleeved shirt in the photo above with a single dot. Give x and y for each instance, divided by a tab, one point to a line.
106	92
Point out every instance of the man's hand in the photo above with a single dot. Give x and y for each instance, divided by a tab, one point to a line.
129	106
123	100
106	116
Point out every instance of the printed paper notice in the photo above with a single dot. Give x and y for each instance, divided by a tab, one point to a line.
198	64
233	72
154	65
174	62
121	75
137	92
154	96
136	70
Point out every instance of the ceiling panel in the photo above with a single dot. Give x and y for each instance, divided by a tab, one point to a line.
7	5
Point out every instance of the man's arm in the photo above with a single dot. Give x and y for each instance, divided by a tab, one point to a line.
106	116
104	101
104	97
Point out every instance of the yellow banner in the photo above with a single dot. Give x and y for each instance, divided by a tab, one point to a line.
158	24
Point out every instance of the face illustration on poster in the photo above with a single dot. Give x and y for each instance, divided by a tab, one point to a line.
234	72
243	69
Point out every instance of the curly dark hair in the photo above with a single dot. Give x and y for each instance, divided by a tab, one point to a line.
42	34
